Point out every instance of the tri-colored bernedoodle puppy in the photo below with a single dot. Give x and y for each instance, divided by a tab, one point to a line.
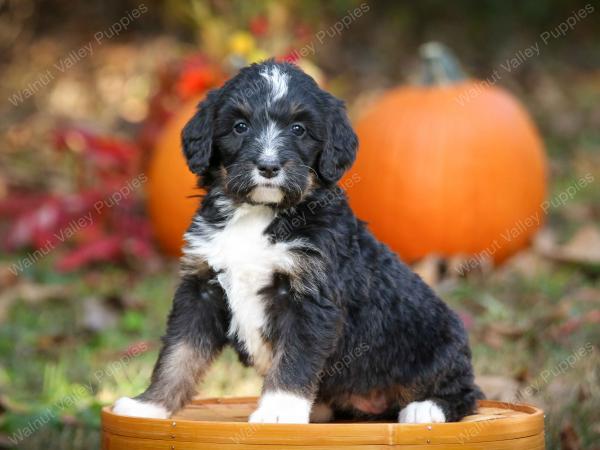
277	265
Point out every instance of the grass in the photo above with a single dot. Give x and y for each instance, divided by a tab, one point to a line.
65	361
70	372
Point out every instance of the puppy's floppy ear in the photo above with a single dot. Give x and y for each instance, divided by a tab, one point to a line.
197	135
340	145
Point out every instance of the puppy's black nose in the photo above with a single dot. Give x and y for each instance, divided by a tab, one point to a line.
268	169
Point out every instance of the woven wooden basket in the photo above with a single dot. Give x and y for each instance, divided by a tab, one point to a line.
221	424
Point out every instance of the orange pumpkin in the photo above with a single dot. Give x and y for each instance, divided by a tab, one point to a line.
452	167
171	186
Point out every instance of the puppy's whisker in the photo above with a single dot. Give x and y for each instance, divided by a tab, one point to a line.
235	165
232	179
310	168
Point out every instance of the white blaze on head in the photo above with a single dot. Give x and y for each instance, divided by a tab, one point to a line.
278	81
268	140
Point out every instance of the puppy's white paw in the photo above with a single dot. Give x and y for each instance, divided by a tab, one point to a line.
422	412
126	406
281	407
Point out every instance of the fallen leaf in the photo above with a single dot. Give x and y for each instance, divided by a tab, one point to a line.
526	263
572	325
467	319
34	293
138	348
464	265
7	276
586	294
429	269
507	330
578	212
496	387
545	242
70	420
582	248
98	314
3	187
560	391
493	339
28	292
496	333
50	342
569	440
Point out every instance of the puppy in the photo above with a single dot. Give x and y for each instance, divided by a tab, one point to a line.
277	265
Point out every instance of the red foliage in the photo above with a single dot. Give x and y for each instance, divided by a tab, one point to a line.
103	221
45	221
177	83
197	76
259	25
303	32
102	151
292	56
108	159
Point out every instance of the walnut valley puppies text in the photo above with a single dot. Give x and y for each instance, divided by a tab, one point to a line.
74	56
83	221
515	61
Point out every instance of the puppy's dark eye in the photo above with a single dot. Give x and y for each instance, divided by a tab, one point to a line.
298	129
240	127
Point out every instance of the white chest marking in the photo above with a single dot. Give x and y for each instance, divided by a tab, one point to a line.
246	261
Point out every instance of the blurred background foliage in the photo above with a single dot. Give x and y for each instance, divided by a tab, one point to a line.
83	306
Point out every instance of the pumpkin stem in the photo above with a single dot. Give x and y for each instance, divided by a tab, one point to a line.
440	66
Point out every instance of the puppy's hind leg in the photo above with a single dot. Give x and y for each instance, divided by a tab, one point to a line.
196	332
459	404
321	413
451	399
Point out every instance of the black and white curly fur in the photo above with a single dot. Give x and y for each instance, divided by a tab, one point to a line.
277	265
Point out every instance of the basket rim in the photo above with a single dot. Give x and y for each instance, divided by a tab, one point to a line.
354	433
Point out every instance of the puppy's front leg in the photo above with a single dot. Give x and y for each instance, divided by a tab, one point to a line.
196	332
305	334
